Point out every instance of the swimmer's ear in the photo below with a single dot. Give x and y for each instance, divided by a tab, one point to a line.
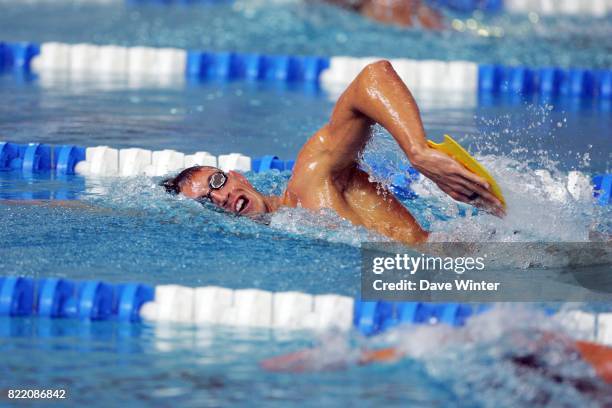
170	185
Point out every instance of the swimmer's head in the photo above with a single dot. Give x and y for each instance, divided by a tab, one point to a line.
230	191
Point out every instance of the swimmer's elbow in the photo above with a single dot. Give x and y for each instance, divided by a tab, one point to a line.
421	237
377	75
380	65
376	70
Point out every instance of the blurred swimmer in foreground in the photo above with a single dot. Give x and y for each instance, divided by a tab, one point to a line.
327	173
405	13
530	358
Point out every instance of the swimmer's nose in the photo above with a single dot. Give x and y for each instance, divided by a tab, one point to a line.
219	197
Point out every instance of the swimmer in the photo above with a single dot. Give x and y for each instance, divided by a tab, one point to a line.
529	361
327	174
404	13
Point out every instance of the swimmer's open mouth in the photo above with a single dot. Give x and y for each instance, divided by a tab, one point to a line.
241	204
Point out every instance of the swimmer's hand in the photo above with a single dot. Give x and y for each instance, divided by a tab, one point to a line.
457	181
309	360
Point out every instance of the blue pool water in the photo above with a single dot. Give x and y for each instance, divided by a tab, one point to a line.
266	118
130	230
146	365
311	28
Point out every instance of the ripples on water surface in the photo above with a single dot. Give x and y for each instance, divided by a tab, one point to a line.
172	364
264	118
303	27
178	240
133	231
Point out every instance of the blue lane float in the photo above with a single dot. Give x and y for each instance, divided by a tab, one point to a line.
3	54
520	80
371	318
16	296
130	299
38	157
603	188
18	56
226	66
53	295
11	156
61	160
67	157
605	83
56	298
268	163
94	300
548	81
231	66
62	298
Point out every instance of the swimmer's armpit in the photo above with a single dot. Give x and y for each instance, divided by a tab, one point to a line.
378	95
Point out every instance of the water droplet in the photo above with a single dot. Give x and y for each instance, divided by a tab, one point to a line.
458	25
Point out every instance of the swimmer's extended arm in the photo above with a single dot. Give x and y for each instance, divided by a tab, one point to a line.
378	95
597	355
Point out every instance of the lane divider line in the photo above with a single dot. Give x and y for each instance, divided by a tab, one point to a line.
96	300
105	161
136	63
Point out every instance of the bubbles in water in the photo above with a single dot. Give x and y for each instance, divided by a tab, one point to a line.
541	208
544	203
324	224
511	355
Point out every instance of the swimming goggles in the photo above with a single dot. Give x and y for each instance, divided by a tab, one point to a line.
215	182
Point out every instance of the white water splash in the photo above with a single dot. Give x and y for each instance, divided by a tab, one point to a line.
511	355
324	224
543	204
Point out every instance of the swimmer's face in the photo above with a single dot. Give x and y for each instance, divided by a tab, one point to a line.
237	195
